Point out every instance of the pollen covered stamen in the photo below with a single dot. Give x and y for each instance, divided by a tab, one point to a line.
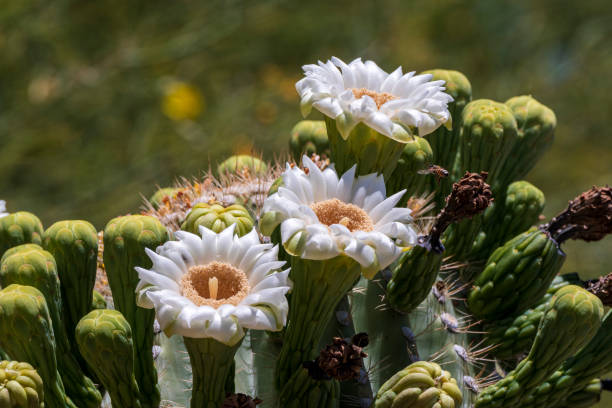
379	98
335	211
214	284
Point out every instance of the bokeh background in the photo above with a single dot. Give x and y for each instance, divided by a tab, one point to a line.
103	101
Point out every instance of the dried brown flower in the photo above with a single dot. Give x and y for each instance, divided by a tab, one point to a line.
602	288
343	360
240	401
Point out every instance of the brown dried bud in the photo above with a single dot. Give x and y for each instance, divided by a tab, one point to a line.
240	401
602	288
587	217
470	196
343	360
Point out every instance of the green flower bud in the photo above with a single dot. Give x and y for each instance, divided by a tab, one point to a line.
19	228
20	386
308	137
157	197
240	163
217	218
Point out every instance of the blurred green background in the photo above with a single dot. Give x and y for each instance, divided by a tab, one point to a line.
101	101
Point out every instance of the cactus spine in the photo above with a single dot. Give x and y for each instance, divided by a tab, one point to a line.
125	240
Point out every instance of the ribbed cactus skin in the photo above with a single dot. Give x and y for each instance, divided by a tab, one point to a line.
420	385
587	397
412	278
74	245
458	239
572	318
25	317
301	391
29	264
217	218
520	209
514	336
308	137
577	372
445	142
20	386
516	275
417	155
104	338
19	228
242	162
125	240
488	134
536	124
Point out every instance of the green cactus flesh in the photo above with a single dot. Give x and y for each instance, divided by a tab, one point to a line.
488	134
371	151
577	373
20	386
98	301
104	338
217	218
416	157
19	228
412	278
536	124
125	240
29	264
517	211
24	314
308	137
574	312
514	336
420	385
327	281
74	245
212	364
241	163
524	266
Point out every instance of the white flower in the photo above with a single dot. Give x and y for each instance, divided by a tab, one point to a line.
3	212
215	286
363	92
323	216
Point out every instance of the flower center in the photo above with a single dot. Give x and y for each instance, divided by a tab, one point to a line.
379	98
214	284
335	211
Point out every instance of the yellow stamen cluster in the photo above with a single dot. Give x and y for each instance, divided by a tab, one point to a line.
215	284
334	211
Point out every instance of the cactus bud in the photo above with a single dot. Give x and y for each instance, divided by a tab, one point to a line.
20	386
308	137
19	228
217	218
240	164
158	197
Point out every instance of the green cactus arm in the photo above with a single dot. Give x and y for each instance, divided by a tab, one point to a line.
412	278
125	240
524	266
24	314
74	245
19	228
217	218
515	212
536	125
514	336
308	137
20	386
29	264
104	338
327	281
488	134
572	311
